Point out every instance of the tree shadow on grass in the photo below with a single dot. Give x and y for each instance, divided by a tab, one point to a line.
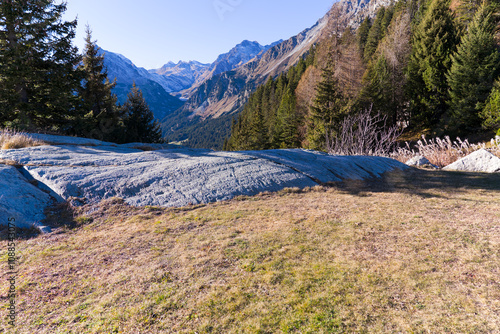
424	183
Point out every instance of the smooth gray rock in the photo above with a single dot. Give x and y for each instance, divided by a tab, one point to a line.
20	200
87	171
172	179
479	161
418	161
177	177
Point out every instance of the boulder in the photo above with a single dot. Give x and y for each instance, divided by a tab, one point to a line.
479	161
418	161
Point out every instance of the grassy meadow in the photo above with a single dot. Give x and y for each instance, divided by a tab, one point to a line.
414	252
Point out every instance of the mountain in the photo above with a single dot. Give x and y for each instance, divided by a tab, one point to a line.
126	73
215	93
160	85
205	119
206	116
175	78
184	77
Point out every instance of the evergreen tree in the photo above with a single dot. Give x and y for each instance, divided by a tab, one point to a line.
101	119
491	112
374	35
466	11
385	77
434	41
475	67
140	124
258	139
286	130
37	73
362	34
327	111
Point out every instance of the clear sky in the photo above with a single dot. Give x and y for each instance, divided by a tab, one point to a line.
153	32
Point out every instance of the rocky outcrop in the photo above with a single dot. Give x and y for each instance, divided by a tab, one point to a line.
21	203
479	161
168	177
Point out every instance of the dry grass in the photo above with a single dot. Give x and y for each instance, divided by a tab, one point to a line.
11	139
443	152
416	252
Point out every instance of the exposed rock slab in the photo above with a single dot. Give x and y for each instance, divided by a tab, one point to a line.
20	200
479	161
325	168
177	177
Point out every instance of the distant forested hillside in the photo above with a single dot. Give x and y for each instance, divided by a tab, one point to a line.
430	67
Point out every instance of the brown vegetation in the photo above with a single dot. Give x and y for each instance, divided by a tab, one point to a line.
443	152
414	252
10	139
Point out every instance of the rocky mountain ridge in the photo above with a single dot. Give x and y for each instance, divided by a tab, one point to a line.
214	92
126	74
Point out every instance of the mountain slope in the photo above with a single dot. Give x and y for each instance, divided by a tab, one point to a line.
178	77
212	103
211	106
126	73
232	60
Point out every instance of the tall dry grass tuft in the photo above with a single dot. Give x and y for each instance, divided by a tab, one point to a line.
442	152
11	139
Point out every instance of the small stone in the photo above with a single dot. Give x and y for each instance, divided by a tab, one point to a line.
418	161
479	161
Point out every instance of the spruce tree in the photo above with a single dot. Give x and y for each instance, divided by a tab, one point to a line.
327	111
140	124
434	41
37	73
475	67
101	116
385	77
258	139
362	34
491	112
286	131
374	35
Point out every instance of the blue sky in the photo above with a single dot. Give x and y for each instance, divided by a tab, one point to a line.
153	32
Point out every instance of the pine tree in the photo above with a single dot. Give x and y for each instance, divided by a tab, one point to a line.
475	67
374	35
385	77
286	130
491	112
362	34
434	41
258	139
37	73
327	111
140	124
101	119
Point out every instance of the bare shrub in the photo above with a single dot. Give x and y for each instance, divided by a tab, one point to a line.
364	134
495	146
443	152
11	139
